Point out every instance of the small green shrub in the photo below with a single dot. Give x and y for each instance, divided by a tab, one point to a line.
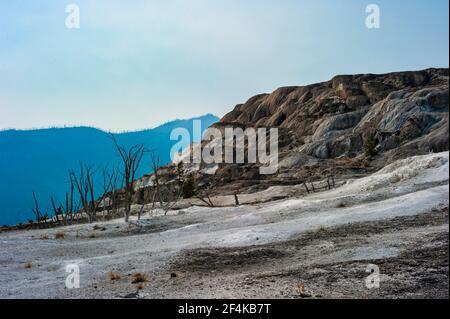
370	143
188	187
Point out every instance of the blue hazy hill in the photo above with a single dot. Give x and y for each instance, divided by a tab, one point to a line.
39	160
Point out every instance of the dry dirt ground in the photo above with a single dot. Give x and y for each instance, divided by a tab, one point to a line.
278	270
314	246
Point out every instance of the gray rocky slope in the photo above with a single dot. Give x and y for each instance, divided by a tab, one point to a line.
323	126
407	110
323	129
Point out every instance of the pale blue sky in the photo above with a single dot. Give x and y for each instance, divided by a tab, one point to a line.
136	64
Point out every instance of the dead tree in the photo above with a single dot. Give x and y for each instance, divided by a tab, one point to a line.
85	187
72	207
84	184
109	187
70	202
170	197
173	195
36	210
117	186
141	211
203	195
65	211
166	195
155	167
189	189
131	159
306	186
57	210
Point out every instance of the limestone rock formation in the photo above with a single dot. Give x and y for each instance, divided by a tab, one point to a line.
406	111
324	128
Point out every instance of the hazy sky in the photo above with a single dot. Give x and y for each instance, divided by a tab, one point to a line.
136	64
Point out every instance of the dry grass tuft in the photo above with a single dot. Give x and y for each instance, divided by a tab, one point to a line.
322	229
302	292
52	268
341	205
112	275
27	266
140	286
43	237
59	235
138	278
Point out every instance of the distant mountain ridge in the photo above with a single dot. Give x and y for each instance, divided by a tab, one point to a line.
39	160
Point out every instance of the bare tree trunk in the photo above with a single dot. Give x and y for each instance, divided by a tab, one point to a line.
306	186
236	199
36	210
131	159
155	167
140	211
